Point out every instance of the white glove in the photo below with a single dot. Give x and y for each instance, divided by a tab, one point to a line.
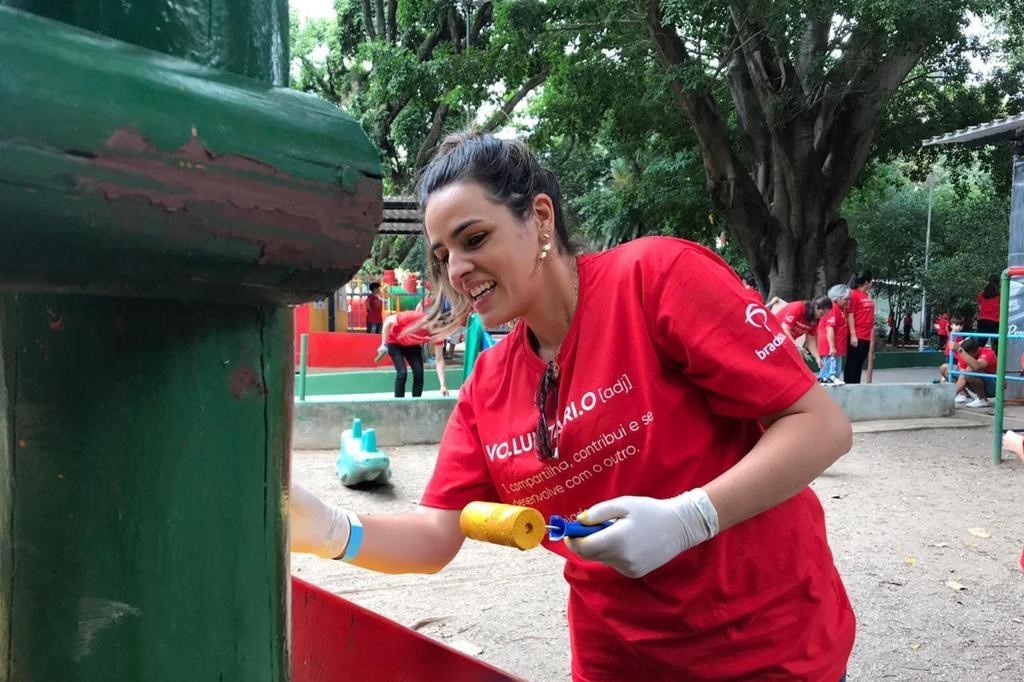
315	527
647	533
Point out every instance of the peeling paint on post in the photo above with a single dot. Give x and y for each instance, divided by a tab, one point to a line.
144	434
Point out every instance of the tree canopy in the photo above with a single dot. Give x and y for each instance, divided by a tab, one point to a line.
683	117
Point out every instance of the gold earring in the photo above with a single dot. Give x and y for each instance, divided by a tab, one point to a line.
547	246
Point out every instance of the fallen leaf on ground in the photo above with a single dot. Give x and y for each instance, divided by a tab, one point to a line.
940	544
466	647
910	561
979	532
954	585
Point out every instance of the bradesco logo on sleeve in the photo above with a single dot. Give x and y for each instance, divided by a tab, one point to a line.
757	316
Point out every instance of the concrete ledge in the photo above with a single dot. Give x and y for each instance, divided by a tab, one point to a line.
319	421
317	425
864	402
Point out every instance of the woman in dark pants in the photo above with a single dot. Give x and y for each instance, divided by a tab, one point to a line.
403	339
988	311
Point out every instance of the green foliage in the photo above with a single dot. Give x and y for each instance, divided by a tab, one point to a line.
969	236
606	110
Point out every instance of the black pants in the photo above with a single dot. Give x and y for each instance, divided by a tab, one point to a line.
988	327
414	356
856	357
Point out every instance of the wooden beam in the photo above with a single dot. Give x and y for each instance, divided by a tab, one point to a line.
129	172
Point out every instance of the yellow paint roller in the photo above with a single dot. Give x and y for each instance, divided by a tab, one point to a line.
503	524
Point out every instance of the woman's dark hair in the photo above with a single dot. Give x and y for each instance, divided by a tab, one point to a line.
970	344
991	289
750	280
510	175
860	279
374	286
820	303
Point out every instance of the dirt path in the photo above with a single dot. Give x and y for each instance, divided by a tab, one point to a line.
901	508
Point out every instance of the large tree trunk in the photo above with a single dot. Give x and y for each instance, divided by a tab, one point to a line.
807	142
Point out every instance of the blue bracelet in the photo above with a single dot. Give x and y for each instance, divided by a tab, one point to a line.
355	537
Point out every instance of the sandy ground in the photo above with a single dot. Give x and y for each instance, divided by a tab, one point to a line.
926	531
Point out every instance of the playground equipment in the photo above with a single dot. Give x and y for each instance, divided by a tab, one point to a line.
359	460
1000	375
477	341
156	217
373	648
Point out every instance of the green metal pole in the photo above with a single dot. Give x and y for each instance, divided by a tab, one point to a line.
144	441
303	350
997	431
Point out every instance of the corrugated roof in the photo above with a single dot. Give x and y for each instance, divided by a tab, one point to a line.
985	133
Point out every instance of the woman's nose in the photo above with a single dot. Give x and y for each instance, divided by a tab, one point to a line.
458	267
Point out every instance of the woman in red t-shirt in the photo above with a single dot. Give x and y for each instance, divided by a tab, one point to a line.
861	324
800	318
402	338
644	386
988	312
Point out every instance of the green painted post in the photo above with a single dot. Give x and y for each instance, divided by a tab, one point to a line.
1004	304
303	350
144	440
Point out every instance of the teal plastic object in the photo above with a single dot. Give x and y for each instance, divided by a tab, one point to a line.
359	460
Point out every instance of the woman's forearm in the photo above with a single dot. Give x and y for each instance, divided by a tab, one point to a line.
424	541
799	444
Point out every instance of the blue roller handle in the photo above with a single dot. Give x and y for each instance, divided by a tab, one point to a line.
559	528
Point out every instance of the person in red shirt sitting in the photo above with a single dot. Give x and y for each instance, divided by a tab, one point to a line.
402	337
374	309
642	385
956	325
800	318
980	359
988	311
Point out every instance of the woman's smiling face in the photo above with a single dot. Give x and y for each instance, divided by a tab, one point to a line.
489	254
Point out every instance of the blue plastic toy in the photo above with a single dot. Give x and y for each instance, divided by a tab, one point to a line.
360	460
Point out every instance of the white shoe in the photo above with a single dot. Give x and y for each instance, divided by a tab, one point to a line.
979	402
835	381
971	394
961	399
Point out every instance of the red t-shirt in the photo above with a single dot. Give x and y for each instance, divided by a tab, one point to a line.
863	309
988	308
374	309
986	354
403	333
835	318
794	316
956	356
942	326
665	368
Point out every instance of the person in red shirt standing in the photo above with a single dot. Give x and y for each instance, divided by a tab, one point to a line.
861	323
800	318
832	336
641	385
942	329
402	337
374	310
988	311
